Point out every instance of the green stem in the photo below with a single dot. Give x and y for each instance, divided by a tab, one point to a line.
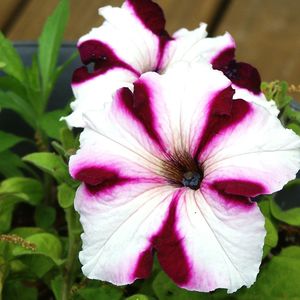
73	249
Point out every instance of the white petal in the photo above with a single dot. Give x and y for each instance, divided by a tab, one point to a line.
118	231
257	148
223	246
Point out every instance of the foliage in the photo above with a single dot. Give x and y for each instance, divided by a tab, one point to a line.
39	229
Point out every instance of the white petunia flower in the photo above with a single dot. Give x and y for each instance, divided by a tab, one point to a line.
170	167
133	40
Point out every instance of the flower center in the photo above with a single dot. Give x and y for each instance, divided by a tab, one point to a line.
182	170
192	180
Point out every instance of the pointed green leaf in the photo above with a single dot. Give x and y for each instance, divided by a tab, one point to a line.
49	42
51	123
9	140
8	83
10	164
12	101
10	59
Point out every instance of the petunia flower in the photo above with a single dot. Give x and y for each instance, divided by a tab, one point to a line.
133	40
170	168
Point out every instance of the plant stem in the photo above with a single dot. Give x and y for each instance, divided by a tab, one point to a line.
73	249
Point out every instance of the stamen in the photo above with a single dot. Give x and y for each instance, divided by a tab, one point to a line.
181	169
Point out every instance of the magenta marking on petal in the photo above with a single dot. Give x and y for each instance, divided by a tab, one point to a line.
224	58
241	74
247	77
100	179
103	57
169	246
223	113
240	187
139	105
238	192
144	264
170	252
152	17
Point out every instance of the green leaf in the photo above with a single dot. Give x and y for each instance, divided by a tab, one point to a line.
138	297
264	206
25	232
57	287
295	127
9	140
279	279
44	216
291	252
10	59
7	206
271	238
51	164
290	216
62	67
10	164
12	101
165	289
19	290
291	114
39	265
34	89
33	75
105	292
46	244
27	189
8	83
68	140
49	43
65	195
51	123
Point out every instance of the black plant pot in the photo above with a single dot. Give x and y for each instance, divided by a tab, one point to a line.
62	94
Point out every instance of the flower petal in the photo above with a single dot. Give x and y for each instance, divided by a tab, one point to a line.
131	41
94	93
222	242
192	46
256	148
122	203
186	46
118	227
168	112
99	152
132	37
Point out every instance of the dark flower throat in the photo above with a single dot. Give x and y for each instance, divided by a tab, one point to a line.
182	170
